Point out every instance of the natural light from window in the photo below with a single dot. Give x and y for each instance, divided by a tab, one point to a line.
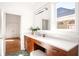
65	15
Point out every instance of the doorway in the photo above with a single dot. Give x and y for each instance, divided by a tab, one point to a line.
12	33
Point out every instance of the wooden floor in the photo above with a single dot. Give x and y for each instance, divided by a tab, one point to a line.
12	45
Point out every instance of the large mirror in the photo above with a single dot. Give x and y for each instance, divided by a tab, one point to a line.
42	17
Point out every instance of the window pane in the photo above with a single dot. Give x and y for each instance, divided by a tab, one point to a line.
65	15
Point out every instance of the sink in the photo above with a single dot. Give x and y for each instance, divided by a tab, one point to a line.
41	35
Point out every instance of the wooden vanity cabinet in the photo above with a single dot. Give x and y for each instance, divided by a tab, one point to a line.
73	52
50	50
53	51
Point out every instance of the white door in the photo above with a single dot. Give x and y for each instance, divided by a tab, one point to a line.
12	25
0	35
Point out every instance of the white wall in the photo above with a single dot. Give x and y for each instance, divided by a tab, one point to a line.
53	24
77	19
22	9
0	23
77	16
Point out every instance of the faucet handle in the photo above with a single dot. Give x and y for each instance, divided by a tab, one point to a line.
43	35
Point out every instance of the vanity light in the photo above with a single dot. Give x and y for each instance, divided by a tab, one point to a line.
40	11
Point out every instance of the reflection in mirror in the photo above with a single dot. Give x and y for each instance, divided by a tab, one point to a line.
45	24
42	17
65	15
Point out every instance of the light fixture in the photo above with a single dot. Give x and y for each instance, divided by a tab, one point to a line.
40	11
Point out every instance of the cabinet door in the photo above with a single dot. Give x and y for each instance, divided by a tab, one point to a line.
25	42
53	51
29	44
12	46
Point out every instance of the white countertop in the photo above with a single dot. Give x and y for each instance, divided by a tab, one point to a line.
59	43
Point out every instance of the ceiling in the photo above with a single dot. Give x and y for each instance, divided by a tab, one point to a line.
32	5
37	5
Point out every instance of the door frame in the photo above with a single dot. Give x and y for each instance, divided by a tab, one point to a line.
3	30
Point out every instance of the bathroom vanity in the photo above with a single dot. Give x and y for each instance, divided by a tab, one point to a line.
51	46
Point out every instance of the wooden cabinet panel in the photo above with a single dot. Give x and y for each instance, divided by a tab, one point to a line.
55	52
52	53
12	46
73	52
28	44
25	42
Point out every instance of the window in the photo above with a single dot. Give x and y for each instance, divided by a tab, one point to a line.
65	15
45	24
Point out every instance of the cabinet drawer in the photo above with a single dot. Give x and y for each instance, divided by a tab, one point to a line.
53	51
12	46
